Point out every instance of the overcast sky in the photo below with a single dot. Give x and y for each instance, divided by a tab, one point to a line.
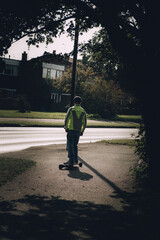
62	44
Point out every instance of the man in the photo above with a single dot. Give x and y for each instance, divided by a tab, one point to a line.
75	123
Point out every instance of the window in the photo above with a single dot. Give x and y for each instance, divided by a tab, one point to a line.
44	72
52	73
59	74
56	97
48	73
9	70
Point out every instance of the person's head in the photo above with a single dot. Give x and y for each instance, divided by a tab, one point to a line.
77	100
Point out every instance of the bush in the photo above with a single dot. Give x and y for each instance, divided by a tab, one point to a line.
23	105
8	103
141	145
140	170
103	98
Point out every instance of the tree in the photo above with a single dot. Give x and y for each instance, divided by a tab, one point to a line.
99	54
40	20
133	28
134	31
101	97
107	64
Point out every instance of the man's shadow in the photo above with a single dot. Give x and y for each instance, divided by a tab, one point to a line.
76	173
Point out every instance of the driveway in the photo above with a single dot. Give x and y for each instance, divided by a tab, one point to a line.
91	202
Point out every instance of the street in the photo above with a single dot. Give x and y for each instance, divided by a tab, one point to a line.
19	138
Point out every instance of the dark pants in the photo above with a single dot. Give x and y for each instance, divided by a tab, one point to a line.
72	145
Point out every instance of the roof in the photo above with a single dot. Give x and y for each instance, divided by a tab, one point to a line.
52	58
10	61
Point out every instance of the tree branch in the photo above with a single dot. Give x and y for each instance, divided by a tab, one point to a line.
44	29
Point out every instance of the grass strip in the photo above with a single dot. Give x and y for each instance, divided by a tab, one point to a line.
128	142
10	168
34	114
113	125
21	123
61	115
129	118
122	118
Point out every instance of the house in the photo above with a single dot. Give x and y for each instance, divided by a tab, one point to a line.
47	68
9	75
30	77
9	81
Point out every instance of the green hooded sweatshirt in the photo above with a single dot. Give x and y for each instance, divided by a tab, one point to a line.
76	119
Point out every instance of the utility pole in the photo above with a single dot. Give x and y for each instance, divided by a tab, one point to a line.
74	67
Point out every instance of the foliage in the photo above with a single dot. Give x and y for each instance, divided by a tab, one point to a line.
8	103
141	144
125	22
103	98
99	96
22	104
106	64
140	173
98	54
40	20
140	170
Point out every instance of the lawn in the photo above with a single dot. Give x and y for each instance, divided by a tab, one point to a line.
22	119
127	142
129	118
10	168
33	114
61	115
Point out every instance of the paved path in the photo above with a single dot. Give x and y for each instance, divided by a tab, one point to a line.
45	120
54	120
86	203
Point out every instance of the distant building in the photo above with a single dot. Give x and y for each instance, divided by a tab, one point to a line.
50	67
18	76
9	73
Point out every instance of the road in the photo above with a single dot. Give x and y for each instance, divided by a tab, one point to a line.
19	138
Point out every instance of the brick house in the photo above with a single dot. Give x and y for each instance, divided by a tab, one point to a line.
24	76
9	72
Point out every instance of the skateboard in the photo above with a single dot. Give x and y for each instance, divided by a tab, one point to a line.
67	166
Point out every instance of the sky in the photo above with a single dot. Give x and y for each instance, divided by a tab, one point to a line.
62	44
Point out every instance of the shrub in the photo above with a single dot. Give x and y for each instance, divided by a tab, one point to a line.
140	170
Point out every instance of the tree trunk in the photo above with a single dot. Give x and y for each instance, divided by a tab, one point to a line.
151	113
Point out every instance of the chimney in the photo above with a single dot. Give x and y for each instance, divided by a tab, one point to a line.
66	56
24	57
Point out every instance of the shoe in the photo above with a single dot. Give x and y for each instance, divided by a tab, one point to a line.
66	163
70	166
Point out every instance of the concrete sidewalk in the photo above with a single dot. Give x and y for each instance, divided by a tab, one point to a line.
49	121
48	203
